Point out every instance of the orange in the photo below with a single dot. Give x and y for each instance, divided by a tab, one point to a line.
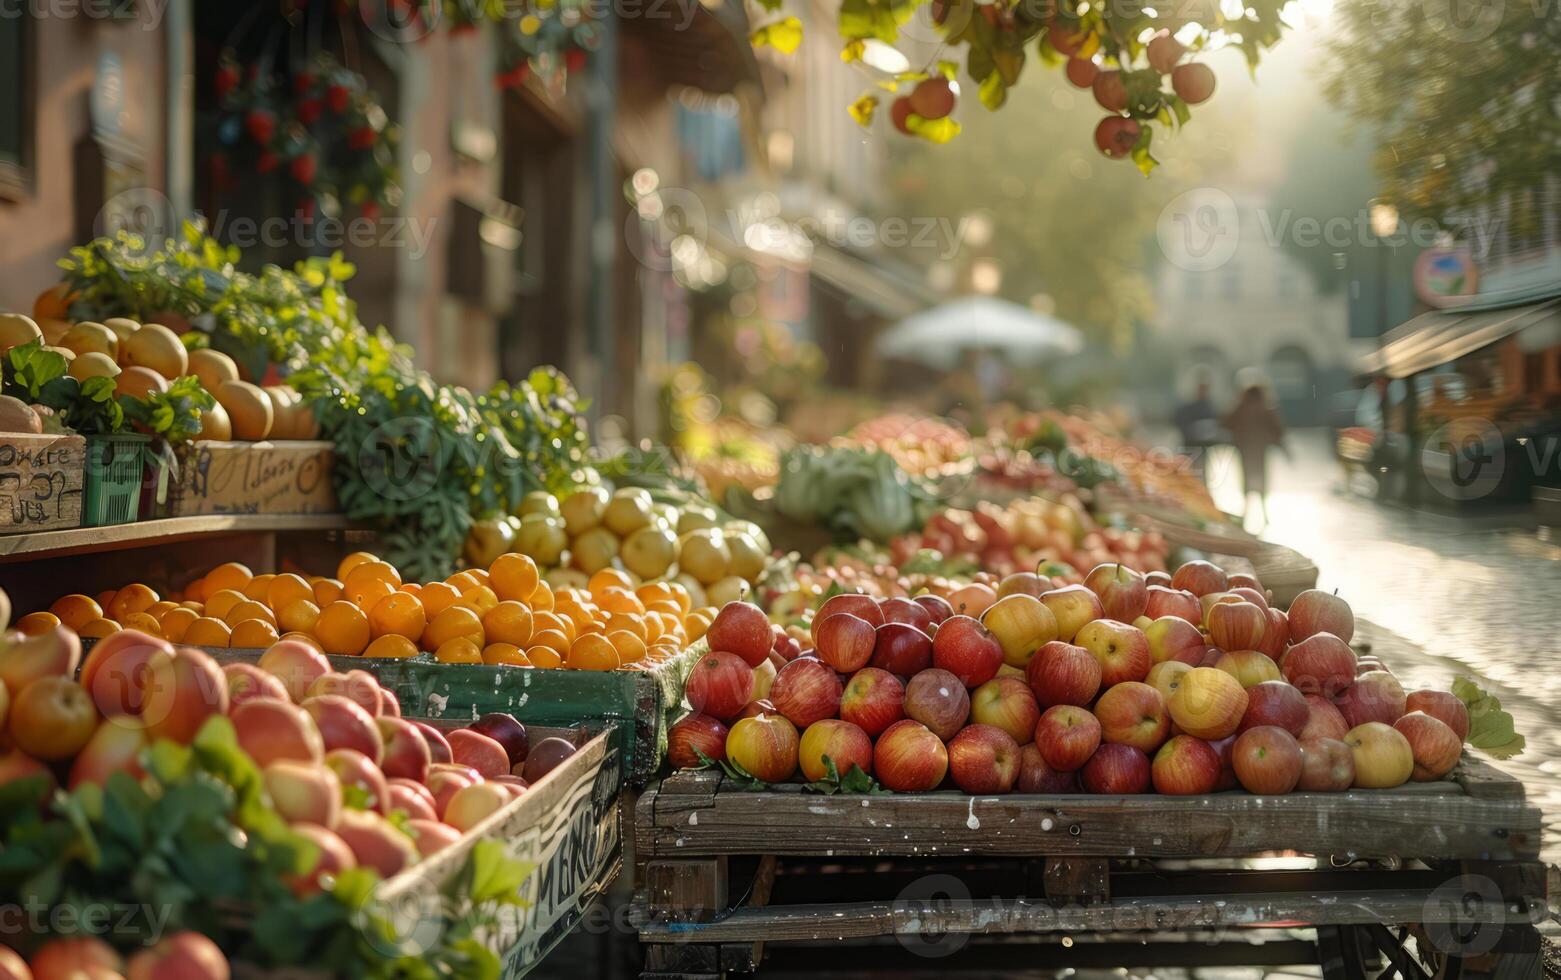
298	616
460	650
508	622
513	577
230	575
398	614
592	652
371	571
106	597
504	654
553	621
541	597
411	588
38	623
668	606
480	599
551	639
221	602
132	598
286	589
257	586
630	647
353	561
606	578
578	615
76	610
365	594
342	628
207	632
176	622
326	591
628	621
437	597
391	646
695	624
253	633
196	590
144	622
481	575
462	582
97	629
456	622
308	638
158	610
621	601
681	595
248	609
199	607
545	657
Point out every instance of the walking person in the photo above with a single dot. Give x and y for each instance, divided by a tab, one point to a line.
1199	425
1255	427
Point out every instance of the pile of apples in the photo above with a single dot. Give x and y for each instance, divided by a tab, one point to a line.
1031	532
337	757
183	955
1127	683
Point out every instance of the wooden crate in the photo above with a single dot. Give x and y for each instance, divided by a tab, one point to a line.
40	482
254	478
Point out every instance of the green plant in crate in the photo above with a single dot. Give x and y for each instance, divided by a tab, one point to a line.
173	415
37	375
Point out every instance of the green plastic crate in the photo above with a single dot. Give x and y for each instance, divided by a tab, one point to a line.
111	485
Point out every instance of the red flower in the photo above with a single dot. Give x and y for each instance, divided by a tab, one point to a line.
261	124
303	168
302	82
370	210
306	208
266	162
337	97
362	138
226	80
308	111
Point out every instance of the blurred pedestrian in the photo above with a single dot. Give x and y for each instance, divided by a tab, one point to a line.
1255	427
1199	425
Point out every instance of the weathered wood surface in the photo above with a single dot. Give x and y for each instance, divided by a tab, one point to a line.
255	478
40	482
148	534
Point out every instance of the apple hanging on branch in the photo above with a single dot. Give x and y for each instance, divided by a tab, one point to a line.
1141	67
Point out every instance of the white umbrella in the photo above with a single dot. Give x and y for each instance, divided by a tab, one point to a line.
938	336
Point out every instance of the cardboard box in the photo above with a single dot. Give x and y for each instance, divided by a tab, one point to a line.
40	482
254	478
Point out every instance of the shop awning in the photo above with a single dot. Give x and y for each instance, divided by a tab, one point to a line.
888	292
1435	338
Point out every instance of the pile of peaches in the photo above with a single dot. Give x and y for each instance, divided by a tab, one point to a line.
1181	684
337	758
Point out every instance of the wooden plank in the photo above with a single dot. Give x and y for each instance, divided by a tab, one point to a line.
40	482
1359	823
692	890
283	477
1484	781
148	534
1077	881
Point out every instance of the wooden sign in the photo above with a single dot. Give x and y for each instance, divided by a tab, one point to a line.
255	478
40	482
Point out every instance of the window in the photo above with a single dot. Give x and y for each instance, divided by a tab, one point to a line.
16	98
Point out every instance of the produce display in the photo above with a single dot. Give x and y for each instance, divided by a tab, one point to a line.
255	806
1178	683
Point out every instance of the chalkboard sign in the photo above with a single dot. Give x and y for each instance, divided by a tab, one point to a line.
40	482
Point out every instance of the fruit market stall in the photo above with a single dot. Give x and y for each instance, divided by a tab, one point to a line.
1158	758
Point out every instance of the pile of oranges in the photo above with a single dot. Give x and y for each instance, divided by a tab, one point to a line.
504	614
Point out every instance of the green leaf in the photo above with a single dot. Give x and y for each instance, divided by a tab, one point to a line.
494	876
1141	155
783	35
1490	728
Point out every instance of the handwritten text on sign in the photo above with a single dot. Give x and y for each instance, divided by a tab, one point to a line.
256	478
40	482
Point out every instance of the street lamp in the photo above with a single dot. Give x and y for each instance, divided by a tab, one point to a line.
1384	223
1384	218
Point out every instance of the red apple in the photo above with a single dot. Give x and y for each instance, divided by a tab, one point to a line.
938	608
247	681
741	628
899	609
764	746
57	653
1026	583
1323	720
1320	664
376	843
438	745
270	729
845	641
114	672
334	858
1276	703
1236	625
1035	776
1133	713
296	664
178	956
507	730
412	799
1375	696
1249	594
1200	578
909	758
937	699
1327	766
1434	746
865	607
1315	611
984	759
1174	638
431	836
902	649
967	649
361	777
1007	703
544	757
1167	678
694	734
1276	634
1121	650
74	958
1116	770
873	700
1209	703
1383	758
1267	760
763	706
1442	706
183	689
1249	667
484	754
1163	602
303	792
1227	780
355	685
1072	606
719	684
806	690
840	742
343	724
1123	592
1061	673
1066	736
115	746
445	783
1186	766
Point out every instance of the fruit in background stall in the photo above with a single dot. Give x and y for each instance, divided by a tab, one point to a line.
1236	625
1121	650
628	509
1209	703
115	746
17	329
1444	707
1133	713
1327	766
486	541
581	510
304	792
937	699
250	412
474	749
694	734
1276	703
93	365
967	649
1200	578
1066	736
909	758
649	551
471	805
376	843
182	956
270	729
748	555
862	606
742	628
1122	591
1249	667
764	746
1185	766
1007	703
594	550
1434	746
182	690
406	754
845	642
901	649
51	719
1267	760
973	599
542	539
545	756
719	684
983	760
1116	769
88	337
1375	696
1383	758
1315	611
1163	601
805	691
1072	606
1174	638
53	653
704	555
841	742
1035	776
872	699
1021	624
212	367
1320	664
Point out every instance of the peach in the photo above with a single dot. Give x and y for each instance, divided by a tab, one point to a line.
114	747
296	664
360	777
52	719
75	956
375	843
183	689
438	745
389	704
344	724
247	681
54	653
181	956
416	805
480	752
114	672
303	792
474	804
406	753
334	858
446	783
270	729
432	836
356	685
